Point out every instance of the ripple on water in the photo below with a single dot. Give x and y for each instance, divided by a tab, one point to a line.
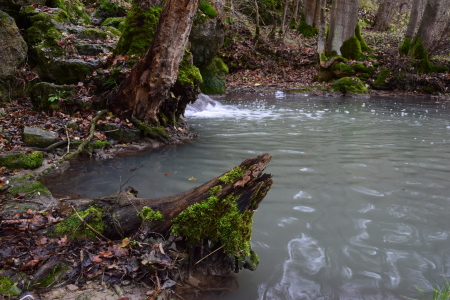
304	208
367	191
302	195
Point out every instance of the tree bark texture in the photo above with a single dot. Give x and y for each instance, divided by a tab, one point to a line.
384	15
295	14
344	17
309	11
428	23
322	28
252	188
413	19
146	89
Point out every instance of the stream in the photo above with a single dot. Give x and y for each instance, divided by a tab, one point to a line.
359	205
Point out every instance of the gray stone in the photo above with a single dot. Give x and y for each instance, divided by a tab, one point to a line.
42	92
12	7
13	49
36	137
72	287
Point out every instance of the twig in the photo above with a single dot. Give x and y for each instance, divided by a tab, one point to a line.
209	254
68	139
89	226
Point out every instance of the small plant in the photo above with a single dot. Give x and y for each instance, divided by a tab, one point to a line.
439	293
53	97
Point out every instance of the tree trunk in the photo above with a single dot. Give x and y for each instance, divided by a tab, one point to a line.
146	89
283	18
316	22
309	11
384	15
295	16
344	17
322	29
428	23
250	188
413	19
257	27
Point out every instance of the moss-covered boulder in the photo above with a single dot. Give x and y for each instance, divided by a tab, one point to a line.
36	137
13	51
342	69
75	10
120	133
117	23
305	29
381	81
138	30
110	9
19	160
45	96
351	49
12	7
349	85
214	77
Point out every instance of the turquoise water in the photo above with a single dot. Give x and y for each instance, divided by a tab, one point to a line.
360	204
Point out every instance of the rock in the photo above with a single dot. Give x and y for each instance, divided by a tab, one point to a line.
120	133
72	287
214	77
13	49
12	7
44	95
36	137
349	85
19	160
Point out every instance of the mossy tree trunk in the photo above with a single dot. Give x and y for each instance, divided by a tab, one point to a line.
344	17
144	93
428	23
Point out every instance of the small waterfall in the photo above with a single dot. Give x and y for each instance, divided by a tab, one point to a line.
204	102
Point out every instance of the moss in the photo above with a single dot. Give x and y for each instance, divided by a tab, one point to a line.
382	77
404	48
217	220
187	72
354	69
30	188
8	287
149	215
215	190
75	229
56	275
305	29
44	35
139	29
362	42
351	48
96	145
232	176
350	85
214	77
206	8
113	22
18	160
75	9
440	68
157	132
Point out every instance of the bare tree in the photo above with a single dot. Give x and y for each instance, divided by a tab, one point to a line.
428	23
384	15
413	19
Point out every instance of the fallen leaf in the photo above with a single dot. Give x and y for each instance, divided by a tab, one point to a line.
192	179
168	174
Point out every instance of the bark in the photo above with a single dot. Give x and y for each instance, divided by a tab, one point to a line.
309	11
344	17
257	33
428	23
413	19
252	188
316	22
322	29
283	19
146	89
297	4
384	15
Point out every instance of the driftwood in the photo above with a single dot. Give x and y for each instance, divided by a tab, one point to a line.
252	187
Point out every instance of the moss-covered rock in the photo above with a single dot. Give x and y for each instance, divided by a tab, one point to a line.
214	77
351	49
75	10
120	133
346	70
19	160
8	287
349	85
139	29
114	22
109	9
382	79
45	96
305	29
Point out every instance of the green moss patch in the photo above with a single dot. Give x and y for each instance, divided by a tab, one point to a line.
351	49
187	72
149	215
8	287
232	176
362	42
217	220
205	8
382	77
113	22
156	132
350	85
75	229
214	77
75	9
305	29
139	29
18	160
30	188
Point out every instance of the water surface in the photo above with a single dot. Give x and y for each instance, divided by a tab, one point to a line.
360	204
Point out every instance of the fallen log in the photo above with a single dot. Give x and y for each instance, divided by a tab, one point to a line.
219	211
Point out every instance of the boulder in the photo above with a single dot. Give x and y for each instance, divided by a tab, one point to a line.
120	133
19	160
36	137
44	95
13	49
12	7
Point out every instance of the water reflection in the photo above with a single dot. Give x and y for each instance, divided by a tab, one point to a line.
359	207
